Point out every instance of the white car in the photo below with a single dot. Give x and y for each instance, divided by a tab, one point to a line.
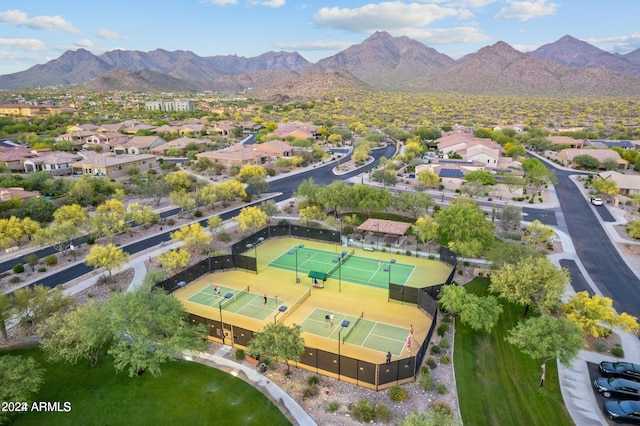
596	201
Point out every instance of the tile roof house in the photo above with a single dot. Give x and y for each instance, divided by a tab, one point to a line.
7	194
56	163
223	128
566	140
628	185
454	142
139	145
112	165
567	156
275	149
484	151
178	144
237	154
13	158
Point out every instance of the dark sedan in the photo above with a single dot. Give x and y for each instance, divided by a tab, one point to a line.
625	370
613	386
623	411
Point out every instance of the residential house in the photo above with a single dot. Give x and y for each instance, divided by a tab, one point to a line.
604	144
8	194
628	185
237	154
57	163
112	165
28	110
566	156
139	145
179	145
13	158
223	128
275	149
78	138
484	151
189	129
566	140
454	142
132	130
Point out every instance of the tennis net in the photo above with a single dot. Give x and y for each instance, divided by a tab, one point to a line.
340	261
234	296
356	322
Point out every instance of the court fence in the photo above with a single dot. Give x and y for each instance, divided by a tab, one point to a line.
285	230
361	373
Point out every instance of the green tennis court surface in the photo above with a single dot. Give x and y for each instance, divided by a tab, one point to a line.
369	334
240	302
355	269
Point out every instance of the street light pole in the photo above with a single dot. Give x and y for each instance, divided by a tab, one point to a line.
344	324
281	309
255	247
295	251
226	296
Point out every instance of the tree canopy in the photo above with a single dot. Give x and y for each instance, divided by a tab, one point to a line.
533	281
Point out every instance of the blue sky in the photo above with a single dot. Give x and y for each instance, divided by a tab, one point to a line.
36	31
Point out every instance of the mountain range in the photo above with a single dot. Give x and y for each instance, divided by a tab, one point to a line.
567	66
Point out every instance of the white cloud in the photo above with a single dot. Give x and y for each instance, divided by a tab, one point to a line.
314	45
382	16
47	23
29	44
617	44
273	3
223	2
85	42
108	34
525	10
447	35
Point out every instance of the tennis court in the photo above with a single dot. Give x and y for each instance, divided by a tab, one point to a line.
344	265
240	302
360	331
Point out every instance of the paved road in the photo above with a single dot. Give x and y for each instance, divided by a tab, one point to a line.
597	253
285	186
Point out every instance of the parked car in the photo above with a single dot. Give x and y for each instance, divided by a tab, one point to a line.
615	386
623	411
596	201
626	370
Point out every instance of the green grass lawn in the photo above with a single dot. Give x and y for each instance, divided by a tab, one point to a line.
187	393
499	385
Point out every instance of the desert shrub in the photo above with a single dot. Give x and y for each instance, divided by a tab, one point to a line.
445	359
427	382
601	347
171	222
18	268
362	410
91	240
442	408
333	406
435	350
15	279
442	389
239	354
442	329
617	351
446	319
51	260
431	362
397	393
313	380
224	236
382	413
197	213
445	343
310	391
43	269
